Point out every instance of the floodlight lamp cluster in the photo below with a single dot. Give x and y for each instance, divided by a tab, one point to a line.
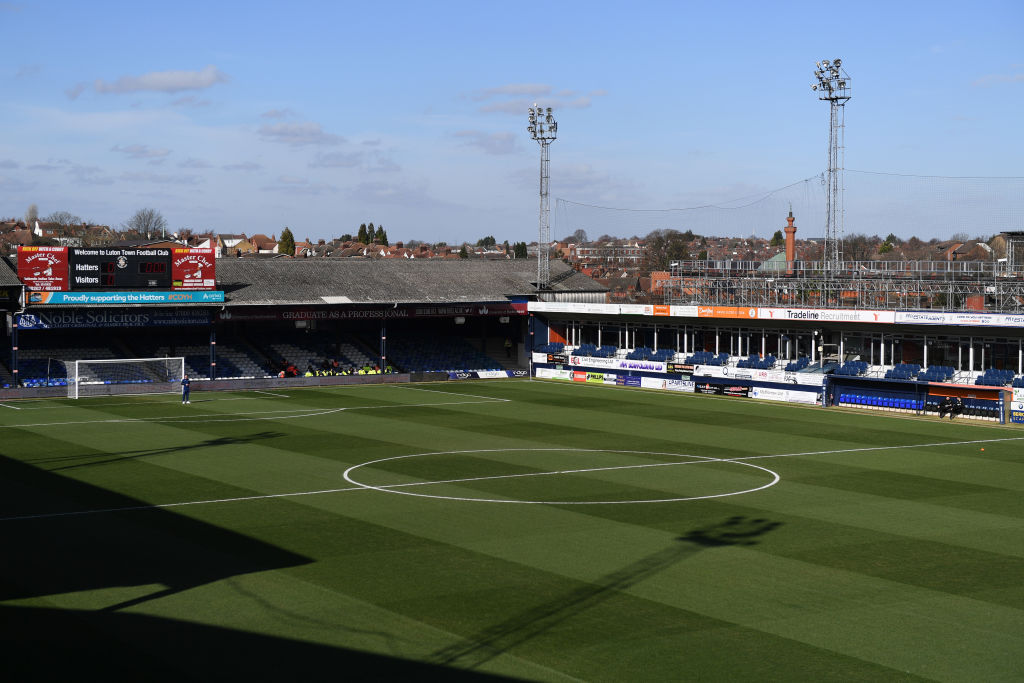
543	127
832	79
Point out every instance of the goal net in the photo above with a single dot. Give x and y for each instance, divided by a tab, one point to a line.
124	376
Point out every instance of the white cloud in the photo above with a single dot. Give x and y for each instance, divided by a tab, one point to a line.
88	175
516	99
491	143
160	179
395	194
15	185
163	81
383	164
195	163
278	114
242	166
515	89
190	101
337	160
141	151
74	91
302	186
993	79
28	70
299	134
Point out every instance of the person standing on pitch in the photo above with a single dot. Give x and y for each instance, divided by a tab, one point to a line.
185	382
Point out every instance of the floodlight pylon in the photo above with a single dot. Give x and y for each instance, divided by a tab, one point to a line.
833	86
544	129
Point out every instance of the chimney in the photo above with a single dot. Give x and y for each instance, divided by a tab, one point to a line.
790	243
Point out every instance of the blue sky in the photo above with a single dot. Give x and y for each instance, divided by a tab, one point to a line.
319	116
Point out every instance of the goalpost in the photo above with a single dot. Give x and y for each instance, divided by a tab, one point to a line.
106	377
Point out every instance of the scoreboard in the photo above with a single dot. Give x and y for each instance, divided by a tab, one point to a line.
61	269
119	269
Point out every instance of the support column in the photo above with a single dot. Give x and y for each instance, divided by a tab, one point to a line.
213	351
529	337
925	347
14	352
881	351
717	342
383	346
970	356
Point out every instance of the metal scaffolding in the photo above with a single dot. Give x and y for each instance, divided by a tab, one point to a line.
874	285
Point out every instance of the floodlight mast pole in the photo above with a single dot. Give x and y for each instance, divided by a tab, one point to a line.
833	86
544	129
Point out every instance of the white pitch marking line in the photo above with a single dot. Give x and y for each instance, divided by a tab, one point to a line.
4	405
234	417
456	393
362	487
270	393
389	486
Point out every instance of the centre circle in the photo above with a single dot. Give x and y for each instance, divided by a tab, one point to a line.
403	489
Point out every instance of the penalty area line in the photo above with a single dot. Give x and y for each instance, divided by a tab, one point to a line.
4	405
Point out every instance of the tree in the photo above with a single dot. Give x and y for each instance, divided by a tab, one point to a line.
31	215
488	241
381	236
147	222
63	219
663	247
578	237
777	239
347	237
463	253
371	233
519	250
286	245
362	235
893	240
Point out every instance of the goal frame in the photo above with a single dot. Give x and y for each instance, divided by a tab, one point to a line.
175	366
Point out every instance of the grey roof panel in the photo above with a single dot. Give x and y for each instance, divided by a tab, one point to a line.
362	281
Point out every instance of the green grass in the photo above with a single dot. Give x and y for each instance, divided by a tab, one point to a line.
149	540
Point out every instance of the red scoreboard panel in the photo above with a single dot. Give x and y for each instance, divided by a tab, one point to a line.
44	269
52	269
193	269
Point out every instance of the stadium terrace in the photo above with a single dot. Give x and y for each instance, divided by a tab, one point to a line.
327	321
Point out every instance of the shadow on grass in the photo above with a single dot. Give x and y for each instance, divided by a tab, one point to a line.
49	556
503	637
65	645
107	457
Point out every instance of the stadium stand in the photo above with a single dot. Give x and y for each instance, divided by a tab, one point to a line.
903	371
707	358
439	354
853	368
799	364
551	347
755	362
594	351
995	377
936	373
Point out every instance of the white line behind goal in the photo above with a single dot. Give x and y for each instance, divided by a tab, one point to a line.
106	377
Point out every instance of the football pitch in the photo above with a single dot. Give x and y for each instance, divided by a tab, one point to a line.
505	529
